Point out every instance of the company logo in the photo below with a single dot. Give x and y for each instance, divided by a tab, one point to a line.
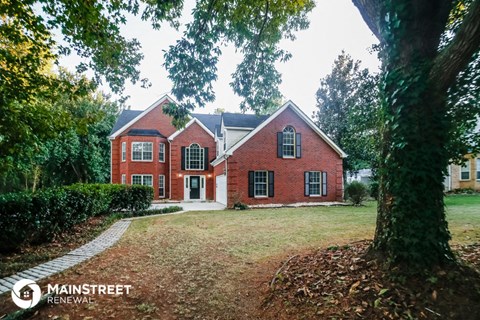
26	293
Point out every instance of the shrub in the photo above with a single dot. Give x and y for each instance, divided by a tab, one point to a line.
240	206
38	217
141	213
356	192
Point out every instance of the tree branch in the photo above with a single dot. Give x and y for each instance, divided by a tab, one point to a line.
371	11
455	57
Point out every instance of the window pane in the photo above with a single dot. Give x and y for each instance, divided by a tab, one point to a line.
478	169
194	157
148	181
260	183
161	186
147	151
288	142
161	152
136	151
465	171
124	151
136	179
314	183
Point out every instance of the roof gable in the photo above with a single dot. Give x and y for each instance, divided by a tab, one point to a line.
194	120
302	116
209	120
122	126
125	117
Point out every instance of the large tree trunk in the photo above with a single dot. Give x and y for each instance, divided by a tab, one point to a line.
411	226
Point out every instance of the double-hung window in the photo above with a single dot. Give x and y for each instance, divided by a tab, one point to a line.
288	142
194	157
314	180
315	183
161	186
124	179
161	152
465	171
124	151
260	184
142	151
143	179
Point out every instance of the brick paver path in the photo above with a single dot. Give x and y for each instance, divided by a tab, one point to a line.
102	242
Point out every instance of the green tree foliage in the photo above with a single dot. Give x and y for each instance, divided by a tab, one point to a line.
76	151
427	50
348	106
255	28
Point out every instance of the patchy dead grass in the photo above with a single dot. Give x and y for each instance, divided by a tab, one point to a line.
212	265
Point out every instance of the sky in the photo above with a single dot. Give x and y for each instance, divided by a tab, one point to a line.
335	25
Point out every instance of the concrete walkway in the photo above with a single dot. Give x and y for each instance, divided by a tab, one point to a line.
102	242
190	206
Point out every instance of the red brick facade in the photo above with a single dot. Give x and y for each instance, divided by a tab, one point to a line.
260	153
256	151
193	134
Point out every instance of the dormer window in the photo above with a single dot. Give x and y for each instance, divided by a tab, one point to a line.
289	143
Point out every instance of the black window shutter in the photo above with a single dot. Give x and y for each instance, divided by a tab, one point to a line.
205	159
183	158
279	144
307	183
324	183
271	184
298	144
250	183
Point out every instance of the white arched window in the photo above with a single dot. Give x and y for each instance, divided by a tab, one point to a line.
194	157
288	142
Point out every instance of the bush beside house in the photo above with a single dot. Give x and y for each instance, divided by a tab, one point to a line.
37	217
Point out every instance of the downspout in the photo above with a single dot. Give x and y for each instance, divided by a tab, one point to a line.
111	163
169	170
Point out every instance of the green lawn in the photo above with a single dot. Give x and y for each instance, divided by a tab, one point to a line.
463	216
217	265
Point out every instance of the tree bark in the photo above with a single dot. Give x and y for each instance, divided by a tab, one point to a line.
411	227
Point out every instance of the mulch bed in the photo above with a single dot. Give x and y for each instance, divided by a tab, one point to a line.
339	283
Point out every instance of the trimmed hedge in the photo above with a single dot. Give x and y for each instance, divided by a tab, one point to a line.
37	217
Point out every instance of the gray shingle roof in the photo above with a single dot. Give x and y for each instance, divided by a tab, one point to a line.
208	120
145	132
125	117
239	120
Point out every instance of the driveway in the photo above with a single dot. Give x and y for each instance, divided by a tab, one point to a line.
191	206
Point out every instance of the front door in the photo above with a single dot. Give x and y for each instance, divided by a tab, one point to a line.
194	187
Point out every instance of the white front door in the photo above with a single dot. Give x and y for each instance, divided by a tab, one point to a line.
194	188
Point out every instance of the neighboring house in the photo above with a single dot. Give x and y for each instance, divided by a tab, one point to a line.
282	158
466	176
362	175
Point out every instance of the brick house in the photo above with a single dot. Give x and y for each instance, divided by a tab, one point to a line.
466	176
282	158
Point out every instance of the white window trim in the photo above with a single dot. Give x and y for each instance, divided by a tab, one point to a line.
255	185
124	151
142	176
294	143
319	185
202	157
159	179
468	166
142	160
124	179
159	149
